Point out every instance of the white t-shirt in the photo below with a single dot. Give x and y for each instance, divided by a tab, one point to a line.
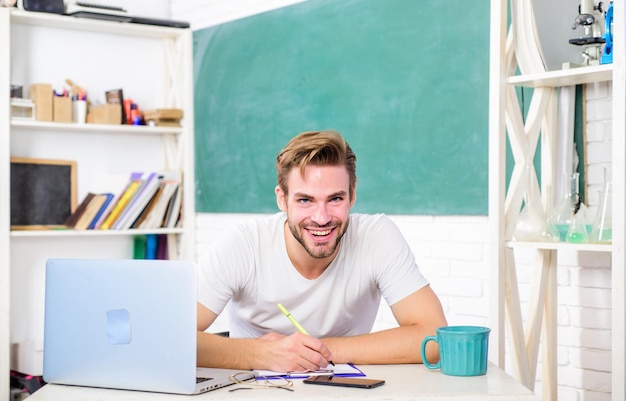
248	265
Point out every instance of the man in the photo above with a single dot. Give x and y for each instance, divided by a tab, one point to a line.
328	267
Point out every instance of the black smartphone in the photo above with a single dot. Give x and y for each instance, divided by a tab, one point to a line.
328	380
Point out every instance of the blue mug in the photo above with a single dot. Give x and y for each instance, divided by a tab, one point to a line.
463	350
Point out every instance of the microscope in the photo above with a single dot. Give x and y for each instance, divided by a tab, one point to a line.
591	18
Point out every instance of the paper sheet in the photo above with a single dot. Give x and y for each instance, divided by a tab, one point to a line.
340	369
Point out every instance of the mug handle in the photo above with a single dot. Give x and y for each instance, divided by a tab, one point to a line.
426	363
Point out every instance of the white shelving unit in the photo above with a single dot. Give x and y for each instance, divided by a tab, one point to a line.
504	208
153	65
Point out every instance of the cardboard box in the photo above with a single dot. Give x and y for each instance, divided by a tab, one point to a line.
61	109
105	114
41	95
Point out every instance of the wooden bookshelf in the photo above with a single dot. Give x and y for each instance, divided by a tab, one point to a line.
153	65
540	322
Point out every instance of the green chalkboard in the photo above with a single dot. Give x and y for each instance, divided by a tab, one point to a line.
405	82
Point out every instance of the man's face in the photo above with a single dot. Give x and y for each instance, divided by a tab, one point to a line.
318	208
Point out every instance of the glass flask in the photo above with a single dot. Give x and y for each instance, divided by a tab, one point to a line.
531	223
601	231
562	216
549	232
577	231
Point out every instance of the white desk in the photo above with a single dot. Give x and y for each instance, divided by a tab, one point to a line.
403	382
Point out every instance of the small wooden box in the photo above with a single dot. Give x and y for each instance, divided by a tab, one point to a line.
105	114
62	109
41	95
23	109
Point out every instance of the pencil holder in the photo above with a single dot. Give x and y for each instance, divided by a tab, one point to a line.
41	95
79	111
61	109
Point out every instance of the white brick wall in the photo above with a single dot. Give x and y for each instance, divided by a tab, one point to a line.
599	138
452	250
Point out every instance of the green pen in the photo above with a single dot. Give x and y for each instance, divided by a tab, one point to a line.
295	323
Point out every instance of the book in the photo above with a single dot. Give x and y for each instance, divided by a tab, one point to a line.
94	206
163	114
105	206
163	117
142	196
105	213
125	196
164	123
154	219
161	250
73	219
173	212
151	246
146	211
169	184
139	247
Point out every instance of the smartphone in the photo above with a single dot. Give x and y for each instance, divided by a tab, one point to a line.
329	380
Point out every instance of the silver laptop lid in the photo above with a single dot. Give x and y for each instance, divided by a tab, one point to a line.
126	324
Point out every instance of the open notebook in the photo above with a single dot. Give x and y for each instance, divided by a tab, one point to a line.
340	369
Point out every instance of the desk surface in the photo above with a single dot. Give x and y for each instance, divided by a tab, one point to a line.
403	382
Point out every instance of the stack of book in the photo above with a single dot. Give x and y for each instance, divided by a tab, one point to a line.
155	246
163	117
147	201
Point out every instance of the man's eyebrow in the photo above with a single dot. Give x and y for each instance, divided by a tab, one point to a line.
339	193
331	196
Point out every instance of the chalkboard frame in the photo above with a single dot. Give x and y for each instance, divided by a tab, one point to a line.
48	211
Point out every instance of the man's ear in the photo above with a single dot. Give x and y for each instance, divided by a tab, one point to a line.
281	198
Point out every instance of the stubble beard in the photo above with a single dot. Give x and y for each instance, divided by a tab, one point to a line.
317	252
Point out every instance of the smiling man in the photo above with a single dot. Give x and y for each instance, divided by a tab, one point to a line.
328	267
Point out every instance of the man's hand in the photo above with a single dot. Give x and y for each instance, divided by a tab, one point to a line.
295	353
272	351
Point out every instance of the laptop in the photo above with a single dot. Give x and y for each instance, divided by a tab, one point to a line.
125	324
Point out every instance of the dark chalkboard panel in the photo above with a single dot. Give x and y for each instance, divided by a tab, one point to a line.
43	192
406	82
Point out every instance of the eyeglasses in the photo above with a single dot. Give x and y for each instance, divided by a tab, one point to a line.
276	382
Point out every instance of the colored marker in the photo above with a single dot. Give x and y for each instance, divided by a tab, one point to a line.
295	323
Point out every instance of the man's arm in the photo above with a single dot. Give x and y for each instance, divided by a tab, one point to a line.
419	315
297	352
